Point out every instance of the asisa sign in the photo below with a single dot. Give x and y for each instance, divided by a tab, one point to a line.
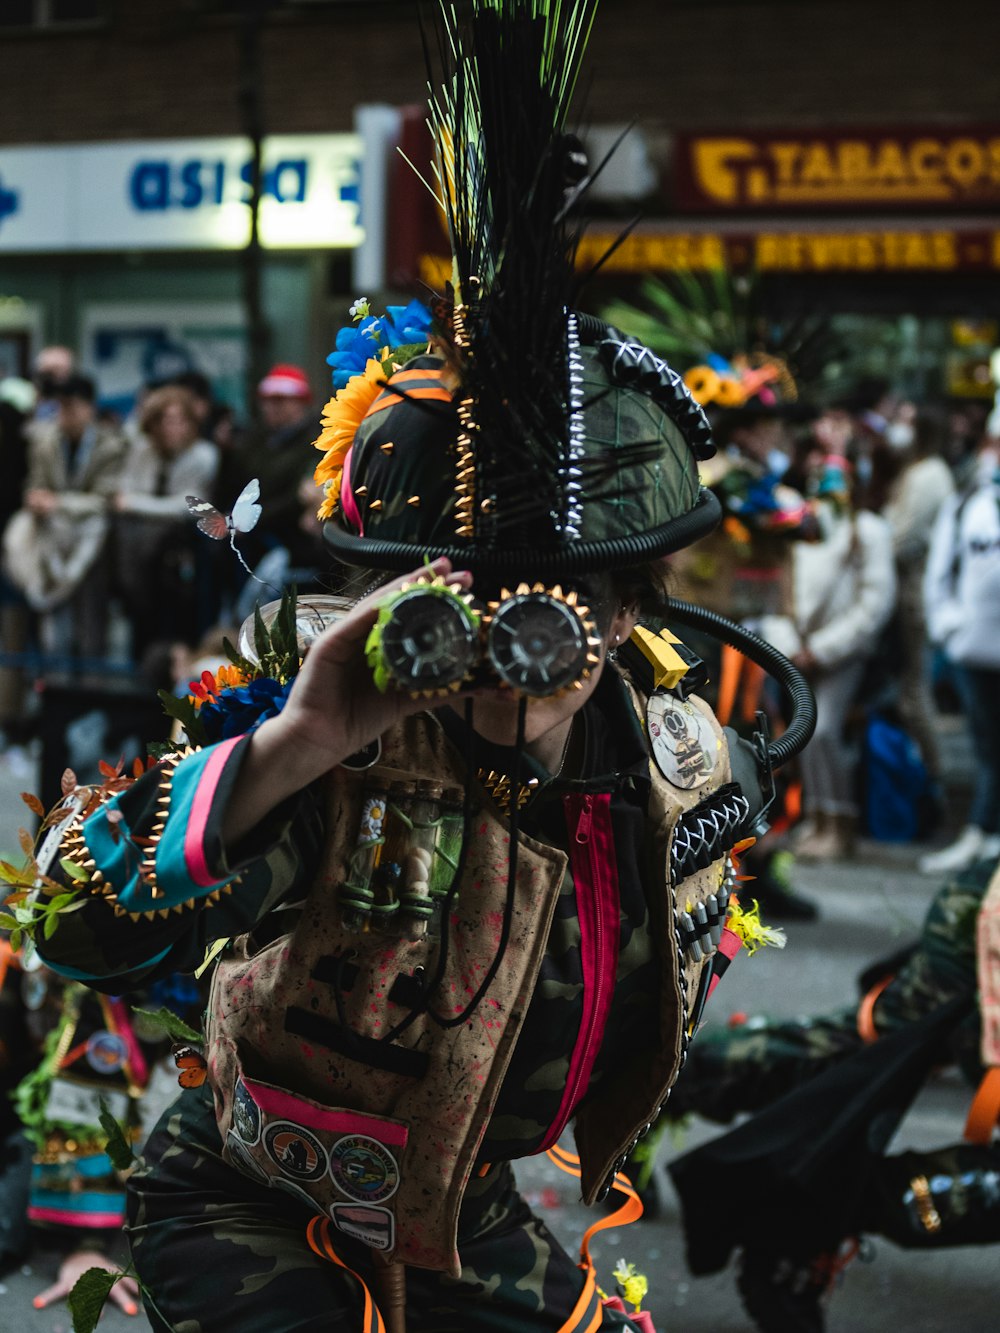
181	194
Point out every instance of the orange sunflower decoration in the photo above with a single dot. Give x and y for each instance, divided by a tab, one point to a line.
342	416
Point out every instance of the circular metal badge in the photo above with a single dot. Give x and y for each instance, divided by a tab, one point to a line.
295	1151
363	1169
682	740
106	1052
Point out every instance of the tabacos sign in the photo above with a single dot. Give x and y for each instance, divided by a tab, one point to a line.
828	170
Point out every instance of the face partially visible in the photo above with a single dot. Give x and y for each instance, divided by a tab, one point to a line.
495	710
174	431
75	415
278	411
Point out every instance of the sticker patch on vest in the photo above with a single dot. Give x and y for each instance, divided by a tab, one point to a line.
243	1160
374	1227
683	742
363	1169
295	1151
246	1114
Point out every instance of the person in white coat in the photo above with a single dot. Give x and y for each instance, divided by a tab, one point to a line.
155	537
844	591
962	602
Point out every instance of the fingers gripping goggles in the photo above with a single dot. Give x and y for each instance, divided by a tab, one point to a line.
432	638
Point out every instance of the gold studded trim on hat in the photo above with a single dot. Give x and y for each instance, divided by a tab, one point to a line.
74	848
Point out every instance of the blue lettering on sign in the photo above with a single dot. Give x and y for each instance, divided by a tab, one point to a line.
192	193
149	188
286	181
10	202
155	186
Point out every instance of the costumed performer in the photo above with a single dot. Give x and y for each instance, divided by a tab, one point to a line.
462	904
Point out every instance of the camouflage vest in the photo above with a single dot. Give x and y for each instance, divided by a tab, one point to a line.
381	1137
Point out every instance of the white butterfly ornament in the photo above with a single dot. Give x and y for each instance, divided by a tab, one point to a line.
243	518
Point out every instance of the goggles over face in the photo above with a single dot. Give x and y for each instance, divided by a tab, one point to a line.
433	638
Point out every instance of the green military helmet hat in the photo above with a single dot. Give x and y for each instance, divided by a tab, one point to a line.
610	479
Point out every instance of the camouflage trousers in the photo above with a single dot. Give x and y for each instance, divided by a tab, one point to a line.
217	1254
733	1070
942	1197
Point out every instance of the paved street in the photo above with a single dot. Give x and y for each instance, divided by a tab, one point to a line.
869	907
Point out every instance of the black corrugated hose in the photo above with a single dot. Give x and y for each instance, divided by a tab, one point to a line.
803	720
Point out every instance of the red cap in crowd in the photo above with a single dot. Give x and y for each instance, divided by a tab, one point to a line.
285	382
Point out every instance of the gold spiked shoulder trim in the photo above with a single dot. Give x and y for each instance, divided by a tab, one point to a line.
74	848
498	786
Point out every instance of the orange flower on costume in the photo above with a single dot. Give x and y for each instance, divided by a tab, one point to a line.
206	690
342	416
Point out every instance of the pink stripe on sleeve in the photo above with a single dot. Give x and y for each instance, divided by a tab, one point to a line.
201	805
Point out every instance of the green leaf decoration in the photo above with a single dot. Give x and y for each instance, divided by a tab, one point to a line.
261	638
171	1024
73	872
86	1300
373	653
184	711
119	1149
160	749
237	659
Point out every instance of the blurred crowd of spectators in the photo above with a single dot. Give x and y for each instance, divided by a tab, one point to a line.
104	571
867	549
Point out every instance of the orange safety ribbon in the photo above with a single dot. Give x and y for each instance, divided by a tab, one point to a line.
588	1312
8	959
985	1109
318	1236
734	668
866	1010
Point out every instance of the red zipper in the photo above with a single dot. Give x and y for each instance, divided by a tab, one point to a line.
595	878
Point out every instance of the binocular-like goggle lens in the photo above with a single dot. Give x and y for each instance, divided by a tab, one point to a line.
538	641
430	641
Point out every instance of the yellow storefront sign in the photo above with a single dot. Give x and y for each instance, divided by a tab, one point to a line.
889	250
760	172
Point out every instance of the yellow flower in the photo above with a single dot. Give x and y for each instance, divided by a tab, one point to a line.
634	1286
330	499
342	416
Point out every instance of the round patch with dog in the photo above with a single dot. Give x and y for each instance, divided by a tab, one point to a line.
363	1169
295	1151
682	740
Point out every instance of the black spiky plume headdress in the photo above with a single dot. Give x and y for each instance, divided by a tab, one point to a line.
533	439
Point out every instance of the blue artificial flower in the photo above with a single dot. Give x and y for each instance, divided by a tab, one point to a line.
408	324
356	345
243	708
401	326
